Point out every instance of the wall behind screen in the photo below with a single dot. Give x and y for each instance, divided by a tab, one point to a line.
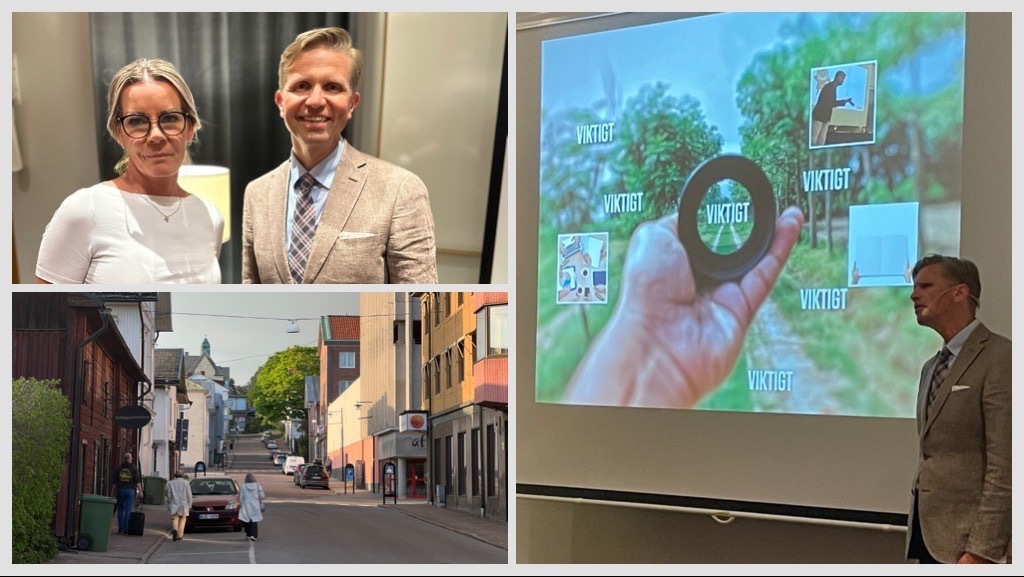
864	464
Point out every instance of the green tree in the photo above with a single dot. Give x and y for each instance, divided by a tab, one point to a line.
40	432
279	383
917	136
663	139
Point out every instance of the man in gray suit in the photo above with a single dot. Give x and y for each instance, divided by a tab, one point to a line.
961	509
331	214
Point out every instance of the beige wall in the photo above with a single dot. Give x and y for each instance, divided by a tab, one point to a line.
442	77
342	414
565	532
198	425
377	353
55	122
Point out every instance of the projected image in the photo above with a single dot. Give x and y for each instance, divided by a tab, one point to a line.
583	269
726	217
883	244
751	250
843	105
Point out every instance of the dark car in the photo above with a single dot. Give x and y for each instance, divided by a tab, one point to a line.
215	503
298	472
314	476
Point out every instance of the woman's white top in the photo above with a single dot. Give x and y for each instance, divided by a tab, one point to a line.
104	235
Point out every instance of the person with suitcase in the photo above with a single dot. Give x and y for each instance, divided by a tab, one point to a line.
127	484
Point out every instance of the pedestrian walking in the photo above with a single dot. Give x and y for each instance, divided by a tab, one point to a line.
250	512
127	484
328	465
179	502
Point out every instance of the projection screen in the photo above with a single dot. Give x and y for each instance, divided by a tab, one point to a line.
809	409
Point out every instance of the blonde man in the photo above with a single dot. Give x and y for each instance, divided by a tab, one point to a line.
331	214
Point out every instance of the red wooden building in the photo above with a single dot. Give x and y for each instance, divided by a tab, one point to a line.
71	337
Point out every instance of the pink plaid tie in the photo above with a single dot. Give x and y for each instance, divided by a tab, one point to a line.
303	228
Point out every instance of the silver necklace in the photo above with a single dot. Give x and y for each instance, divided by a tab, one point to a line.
167	217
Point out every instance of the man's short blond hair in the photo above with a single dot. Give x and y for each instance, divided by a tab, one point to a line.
336	39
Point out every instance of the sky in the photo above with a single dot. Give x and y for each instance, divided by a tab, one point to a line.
244	344
702	57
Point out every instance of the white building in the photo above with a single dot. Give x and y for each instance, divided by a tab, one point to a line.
195	444
168	395
219	415
136	317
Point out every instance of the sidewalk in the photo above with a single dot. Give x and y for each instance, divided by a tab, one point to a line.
138	549
480	528
125	548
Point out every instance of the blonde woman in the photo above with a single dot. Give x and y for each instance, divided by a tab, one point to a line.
140	227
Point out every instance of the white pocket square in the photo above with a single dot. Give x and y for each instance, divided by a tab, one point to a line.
960	387
345	234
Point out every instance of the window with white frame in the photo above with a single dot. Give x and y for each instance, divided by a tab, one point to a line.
346	360
492	332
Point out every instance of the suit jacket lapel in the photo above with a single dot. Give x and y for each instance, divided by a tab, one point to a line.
345	189
974	345
277	215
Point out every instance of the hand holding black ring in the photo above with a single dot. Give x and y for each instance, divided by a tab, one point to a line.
710	268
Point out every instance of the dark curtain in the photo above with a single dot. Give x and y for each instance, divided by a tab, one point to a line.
497	170
229	61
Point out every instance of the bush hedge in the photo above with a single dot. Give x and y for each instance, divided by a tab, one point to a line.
40	427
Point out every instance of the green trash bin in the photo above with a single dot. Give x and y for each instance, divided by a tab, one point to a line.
153	490
94	522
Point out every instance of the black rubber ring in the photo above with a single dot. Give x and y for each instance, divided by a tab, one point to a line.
710	268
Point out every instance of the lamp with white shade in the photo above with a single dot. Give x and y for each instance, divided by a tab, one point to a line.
212	183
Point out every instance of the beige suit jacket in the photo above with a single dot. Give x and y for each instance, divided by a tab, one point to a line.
376	227
963	483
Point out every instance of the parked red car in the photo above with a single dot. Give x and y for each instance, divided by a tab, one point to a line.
215	504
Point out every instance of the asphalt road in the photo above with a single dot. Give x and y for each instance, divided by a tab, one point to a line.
319	526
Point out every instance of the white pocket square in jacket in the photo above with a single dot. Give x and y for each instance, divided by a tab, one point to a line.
345	234
960	387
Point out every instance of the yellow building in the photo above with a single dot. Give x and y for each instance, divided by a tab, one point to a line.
465	393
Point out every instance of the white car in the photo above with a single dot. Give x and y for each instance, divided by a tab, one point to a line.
271	446
291	463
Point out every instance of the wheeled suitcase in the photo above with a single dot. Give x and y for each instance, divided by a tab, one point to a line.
136	523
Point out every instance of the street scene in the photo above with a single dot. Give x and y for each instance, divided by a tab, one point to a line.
312	525
373	427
